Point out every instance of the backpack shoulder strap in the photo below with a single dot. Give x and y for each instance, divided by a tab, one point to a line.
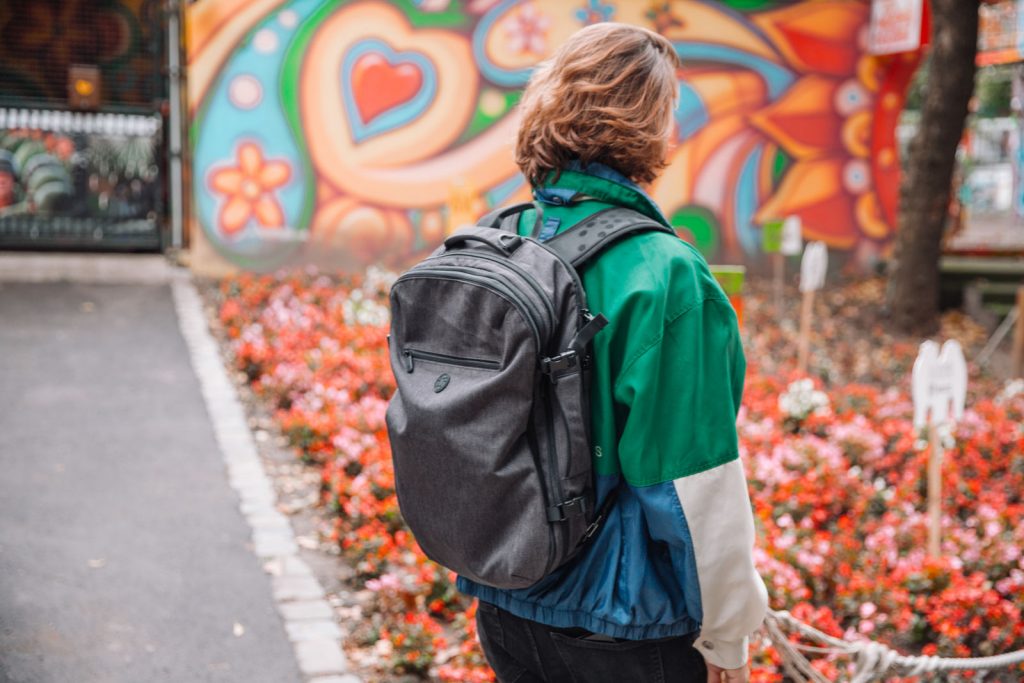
585	240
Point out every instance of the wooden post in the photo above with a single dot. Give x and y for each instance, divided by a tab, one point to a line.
813	267
1017	367
779	267
806	309
939	387
934	492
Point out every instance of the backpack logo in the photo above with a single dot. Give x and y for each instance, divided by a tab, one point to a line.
441	383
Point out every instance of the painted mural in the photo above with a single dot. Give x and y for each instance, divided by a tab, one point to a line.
368	130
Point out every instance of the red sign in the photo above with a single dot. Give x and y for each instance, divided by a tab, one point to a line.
895	26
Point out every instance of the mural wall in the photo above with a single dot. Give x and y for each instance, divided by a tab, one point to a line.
362	132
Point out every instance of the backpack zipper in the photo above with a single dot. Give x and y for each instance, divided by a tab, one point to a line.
554	472
581	294
525	306
514	267
545	325
410	354
546	486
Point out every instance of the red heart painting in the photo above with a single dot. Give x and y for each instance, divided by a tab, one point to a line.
379	86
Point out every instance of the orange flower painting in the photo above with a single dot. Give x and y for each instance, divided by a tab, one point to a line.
248	189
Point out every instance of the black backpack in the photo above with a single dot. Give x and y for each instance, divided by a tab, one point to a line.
490	422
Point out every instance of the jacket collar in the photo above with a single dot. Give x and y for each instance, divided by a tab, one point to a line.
600	182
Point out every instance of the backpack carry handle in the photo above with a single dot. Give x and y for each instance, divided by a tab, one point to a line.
494	218
505	242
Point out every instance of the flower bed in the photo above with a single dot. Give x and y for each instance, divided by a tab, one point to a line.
837	480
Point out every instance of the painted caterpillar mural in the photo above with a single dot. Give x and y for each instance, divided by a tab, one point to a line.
368	130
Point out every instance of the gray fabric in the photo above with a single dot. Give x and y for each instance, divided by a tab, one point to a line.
486	445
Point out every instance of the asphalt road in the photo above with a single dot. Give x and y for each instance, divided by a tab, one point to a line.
123	555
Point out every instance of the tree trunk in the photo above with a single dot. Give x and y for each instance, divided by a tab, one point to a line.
913	288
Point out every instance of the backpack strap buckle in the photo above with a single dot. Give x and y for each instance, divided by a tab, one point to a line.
561	512
563	361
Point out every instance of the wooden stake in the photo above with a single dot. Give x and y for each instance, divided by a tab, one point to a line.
779	267
1017	367
934	492
806	308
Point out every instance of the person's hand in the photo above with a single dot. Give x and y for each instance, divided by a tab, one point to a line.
717	674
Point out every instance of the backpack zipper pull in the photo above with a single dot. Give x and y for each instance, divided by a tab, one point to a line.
407	355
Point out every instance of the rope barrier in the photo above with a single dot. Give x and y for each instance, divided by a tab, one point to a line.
872	660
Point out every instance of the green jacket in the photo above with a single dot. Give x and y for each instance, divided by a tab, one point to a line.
675	555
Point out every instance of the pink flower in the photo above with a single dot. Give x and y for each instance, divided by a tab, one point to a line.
526	30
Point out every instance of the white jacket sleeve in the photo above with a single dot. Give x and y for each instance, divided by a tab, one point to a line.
733	597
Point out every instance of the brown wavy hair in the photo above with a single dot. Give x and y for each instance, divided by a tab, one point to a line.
606	95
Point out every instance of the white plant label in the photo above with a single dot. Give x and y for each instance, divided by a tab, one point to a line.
939	383
792	236
813	267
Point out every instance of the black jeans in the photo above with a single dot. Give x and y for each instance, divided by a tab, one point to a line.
523	651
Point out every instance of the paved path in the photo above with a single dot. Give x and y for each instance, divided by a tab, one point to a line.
123	554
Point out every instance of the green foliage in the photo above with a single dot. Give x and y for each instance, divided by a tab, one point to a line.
993	90
918	85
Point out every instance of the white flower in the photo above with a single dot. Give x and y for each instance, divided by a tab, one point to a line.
379	279
1012	389
801	399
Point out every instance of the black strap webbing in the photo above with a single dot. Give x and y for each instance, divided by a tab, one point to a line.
495	217
585	240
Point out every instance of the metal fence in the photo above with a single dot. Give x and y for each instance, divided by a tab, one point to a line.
80	180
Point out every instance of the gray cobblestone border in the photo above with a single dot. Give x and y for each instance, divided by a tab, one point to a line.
308	618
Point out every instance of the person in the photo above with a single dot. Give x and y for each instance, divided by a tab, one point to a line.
667	590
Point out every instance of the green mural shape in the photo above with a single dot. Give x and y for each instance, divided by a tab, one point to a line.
699	225
771	236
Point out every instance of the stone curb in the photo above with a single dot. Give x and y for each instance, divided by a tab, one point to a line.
308	618
151	269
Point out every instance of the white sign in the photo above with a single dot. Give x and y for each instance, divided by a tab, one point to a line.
792	236
813	267
895	26
939	383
